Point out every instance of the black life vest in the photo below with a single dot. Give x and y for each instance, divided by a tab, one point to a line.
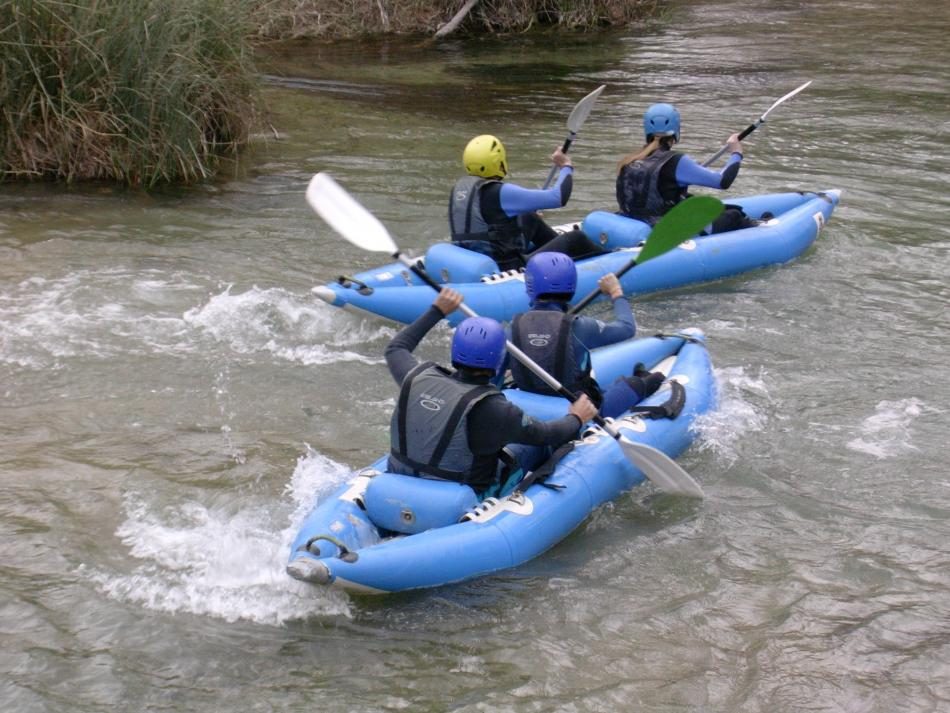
429	429
644	191
546	336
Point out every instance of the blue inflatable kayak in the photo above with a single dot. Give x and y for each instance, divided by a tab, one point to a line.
381	532
394	292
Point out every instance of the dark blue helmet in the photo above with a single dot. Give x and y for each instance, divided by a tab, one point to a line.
661	120
479	343
550	275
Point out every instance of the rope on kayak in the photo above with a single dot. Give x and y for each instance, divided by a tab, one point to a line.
679	335
344	555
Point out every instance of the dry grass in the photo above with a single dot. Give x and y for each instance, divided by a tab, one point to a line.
283	19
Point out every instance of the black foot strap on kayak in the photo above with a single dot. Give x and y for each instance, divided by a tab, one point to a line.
671	409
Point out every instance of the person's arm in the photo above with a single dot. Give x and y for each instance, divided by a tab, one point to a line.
593	333
398	352
516	200
496	422
690	173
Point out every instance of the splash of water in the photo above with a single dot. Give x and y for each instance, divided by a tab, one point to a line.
224	562
720	430
886	433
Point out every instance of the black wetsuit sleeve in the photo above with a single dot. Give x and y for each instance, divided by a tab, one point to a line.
567	185
496	422
729	174
398	352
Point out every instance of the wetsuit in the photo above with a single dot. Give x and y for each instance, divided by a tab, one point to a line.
566	357
587	333
492	423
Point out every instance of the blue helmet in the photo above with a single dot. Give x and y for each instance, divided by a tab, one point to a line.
479	343
661	120
550	274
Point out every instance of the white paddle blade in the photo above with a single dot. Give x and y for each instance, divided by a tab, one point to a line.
660	469
582	110
787	96
346	216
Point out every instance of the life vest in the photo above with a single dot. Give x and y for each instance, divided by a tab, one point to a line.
640	192
546	336
476	228
429	429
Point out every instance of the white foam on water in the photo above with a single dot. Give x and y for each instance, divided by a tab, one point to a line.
113	312
223	562
887	433
285	325
736	415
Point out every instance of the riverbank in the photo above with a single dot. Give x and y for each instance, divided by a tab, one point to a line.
166	91
340	19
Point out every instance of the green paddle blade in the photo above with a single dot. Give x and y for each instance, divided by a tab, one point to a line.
681	222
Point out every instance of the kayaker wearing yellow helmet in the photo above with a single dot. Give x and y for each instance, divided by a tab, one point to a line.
500	219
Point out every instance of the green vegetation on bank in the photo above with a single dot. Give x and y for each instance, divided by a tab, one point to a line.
162	91
138	92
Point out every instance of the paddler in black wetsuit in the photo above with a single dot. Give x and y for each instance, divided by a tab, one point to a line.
454	424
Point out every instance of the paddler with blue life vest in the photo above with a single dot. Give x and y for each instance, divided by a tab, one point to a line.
560	342
501	219
455	424
654	178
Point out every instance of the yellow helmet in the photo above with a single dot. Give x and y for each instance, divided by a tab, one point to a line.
485	156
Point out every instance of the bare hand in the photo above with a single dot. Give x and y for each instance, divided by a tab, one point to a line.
610	286
448	301
583	408
561	159
735	146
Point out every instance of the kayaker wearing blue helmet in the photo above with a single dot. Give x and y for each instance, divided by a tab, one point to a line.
454	425
653	179
561	342
501	219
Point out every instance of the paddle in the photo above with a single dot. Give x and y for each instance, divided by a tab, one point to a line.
681	222
360	227
574	123
756	124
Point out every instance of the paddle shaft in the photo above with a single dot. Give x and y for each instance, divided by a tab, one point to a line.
528	362
745	132
564	149
592	295
758	122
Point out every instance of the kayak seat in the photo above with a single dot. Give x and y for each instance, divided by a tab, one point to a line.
448	262
409	504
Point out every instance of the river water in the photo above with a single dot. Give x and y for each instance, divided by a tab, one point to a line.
173	398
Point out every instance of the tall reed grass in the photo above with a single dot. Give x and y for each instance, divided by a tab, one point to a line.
139	91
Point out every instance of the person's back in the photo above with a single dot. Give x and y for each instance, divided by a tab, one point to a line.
454	425
560	342
501	219
655	178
